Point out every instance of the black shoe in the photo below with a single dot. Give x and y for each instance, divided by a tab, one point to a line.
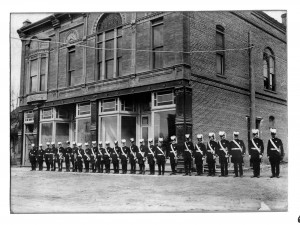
209	175
171	173
185	174
278	176
235	176
241	175
258	176
221	175
253	176
272	176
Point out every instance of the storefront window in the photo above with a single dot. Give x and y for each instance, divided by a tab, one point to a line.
83	130
128	127
47	113
164	124
84	109
108	131
163	98
62	132
109	105
46	133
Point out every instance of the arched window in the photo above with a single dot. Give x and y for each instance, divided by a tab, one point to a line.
109	38
271	122
220	45
269	69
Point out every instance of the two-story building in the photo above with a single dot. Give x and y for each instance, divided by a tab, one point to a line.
113	76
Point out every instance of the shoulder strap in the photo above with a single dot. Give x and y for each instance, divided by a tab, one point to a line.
173	151
274	145
122	151
199	149
160	150
237	144
212	151
151	150
115	151
255	146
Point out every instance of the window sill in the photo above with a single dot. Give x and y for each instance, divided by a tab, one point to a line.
222	76
267	90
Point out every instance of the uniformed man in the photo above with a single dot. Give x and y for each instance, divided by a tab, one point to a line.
115	157
160	156
79	159
173	155
47	156
188	155
141	156
151	157
256	152
32	157
60	156
67	156
40	156
53	155
100	160
133	149
222	152
237	151
199	154
106	156
87	157
94	152
275	153
211	149
124	152
74	157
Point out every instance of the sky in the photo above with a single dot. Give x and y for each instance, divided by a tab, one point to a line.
17	20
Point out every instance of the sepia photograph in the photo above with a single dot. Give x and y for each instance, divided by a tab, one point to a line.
149	111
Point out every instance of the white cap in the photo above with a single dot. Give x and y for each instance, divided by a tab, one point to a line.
74	143
141	140
79	144
107	142
187	135
52	143
68	142
273	131
173	138
132	139
116	141
41	145
199	136
59	143
123	140
222	133
160	139
236	133
150	140
94	142
254	131
32	145
211	134
48	143
86	143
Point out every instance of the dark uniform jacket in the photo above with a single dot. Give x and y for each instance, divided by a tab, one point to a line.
87	154
253	152
272	151
199	153
150	154
114	154
47	154
40	154
32	154
124	154
188	153
160	154
235	151
100	154
106	154
79	153
171	154
133	149
211	152
53	153
67	153
141	154
60	153
74	153
93	156
220	152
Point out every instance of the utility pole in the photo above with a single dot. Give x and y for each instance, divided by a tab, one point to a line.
252	84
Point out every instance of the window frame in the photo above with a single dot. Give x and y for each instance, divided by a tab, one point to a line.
78	109
117	106
268	55
155	103
154	23
71	49
220	31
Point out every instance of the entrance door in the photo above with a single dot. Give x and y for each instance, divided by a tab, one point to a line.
145	127
30	138
128	128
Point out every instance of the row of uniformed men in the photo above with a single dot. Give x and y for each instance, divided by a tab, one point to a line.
223	149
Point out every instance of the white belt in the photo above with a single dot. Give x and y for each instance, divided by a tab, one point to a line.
159	154
198	151
235	149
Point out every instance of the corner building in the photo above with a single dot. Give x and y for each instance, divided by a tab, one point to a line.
108	76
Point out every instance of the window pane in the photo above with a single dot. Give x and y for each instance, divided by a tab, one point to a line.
157	36
43	65
119	31
84	132
34	67
62	132
145	120
34	44
100	37
72	60
108	131
84	109
164	124
33	84
266	82
109	34
158	58
119	65
42	83
108	106
220	64
145	134
165	99
99	70
46	133
128	127
100	52
265	68
71	78
271	65
47	113
119	45
220	40
109	54
109	68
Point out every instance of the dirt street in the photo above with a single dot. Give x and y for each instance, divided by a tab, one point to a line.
41	192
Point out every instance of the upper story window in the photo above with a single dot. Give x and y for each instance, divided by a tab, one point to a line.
157	43
109	42
128	105
37	74
71	65
269	69
162	98
84	109
47	113
28	116
109	105
220	45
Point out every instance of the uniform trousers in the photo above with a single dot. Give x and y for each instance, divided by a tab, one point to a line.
79	164
116	166
173	165
188	165
238	167
275	166
87	165
33	164
142	168
256	167
124	166
67	161
132	166
211	168
161	168
224	168
40	160
47	160
199	167
152	167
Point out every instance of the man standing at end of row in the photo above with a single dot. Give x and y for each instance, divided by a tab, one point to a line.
237	151
32	156
256	152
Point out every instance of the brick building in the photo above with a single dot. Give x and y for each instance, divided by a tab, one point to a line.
107	76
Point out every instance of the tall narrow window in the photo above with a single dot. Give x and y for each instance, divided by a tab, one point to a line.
33	75
157	43
43	75
220	44
71	66
269	69
109	42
